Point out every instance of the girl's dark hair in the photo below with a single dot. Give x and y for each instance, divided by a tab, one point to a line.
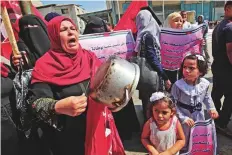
202	65
167	100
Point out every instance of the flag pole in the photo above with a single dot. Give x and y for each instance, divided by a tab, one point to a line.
9	30
163	11
26	7
119	14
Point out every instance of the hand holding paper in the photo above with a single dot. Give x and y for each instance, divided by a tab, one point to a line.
213	114
190	122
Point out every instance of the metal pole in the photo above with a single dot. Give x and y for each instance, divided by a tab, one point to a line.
202	7
214	13
119	15
113	12
163	11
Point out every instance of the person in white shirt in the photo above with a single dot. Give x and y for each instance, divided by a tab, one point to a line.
186	24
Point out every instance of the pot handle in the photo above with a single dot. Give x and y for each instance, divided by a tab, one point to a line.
125	102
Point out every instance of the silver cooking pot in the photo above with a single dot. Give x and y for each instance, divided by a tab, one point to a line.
114	83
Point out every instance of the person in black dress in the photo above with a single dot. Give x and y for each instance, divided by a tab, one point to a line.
60	80
148	46
9	136
33	41
32	44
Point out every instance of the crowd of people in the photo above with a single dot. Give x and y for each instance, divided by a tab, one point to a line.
67	121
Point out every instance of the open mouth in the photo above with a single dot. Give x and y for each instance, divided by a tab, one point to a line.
72	40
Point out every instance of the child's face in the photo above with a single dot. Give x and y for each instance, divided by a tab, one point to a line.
161	113
190	70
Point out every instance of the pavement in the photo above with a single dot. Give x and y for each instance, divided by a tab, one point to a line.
134	146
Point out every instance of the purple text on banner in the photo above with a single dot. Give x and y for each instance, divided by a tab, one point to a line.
202	139
175	44
104	45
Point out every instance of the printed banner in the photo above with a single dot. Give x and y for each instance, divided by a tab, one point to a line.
203	139
175	44
104	45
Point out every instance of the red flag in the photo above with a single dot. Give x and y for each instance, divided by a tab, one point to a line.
128	19
102	137
14	13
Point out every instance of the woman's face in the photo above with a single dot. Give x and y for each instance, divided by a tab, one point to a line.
176	23
69	37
